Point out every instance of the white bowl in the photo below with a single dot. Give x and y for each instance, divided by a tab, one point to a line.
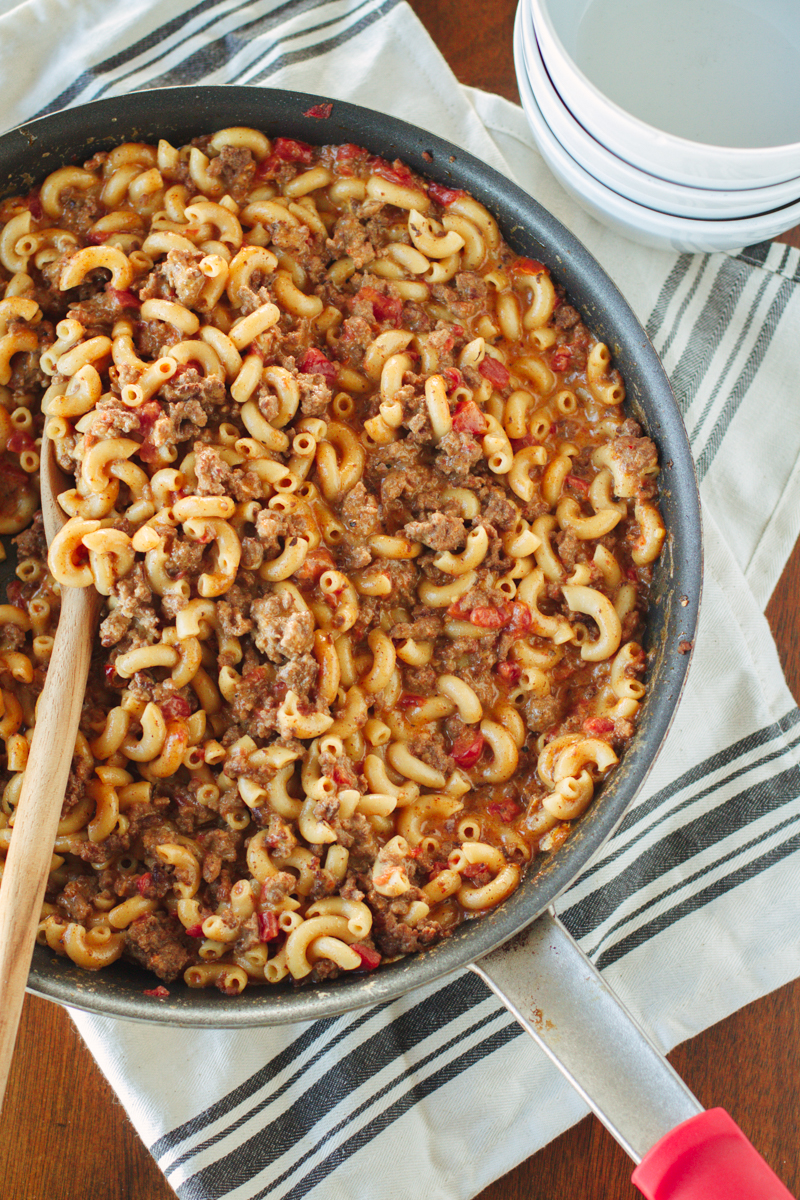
671	61
629	181
644	225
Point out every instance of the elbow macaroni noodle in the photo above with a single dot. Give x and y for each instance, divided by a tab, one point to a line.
374	538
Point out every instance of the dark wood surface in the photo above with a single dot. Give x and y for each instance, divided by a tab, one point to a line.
65	1135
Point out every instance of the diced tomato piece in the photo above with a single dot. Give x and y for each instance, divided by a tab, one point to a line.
598	726
396	172
528	266
487	617
631	573
456	610
284	150
160	992
33	202
453	378
320	111
468	418
143	883
496	372
475	871
195	931
510	671
96	237
444	195
125	297
147	414
561	359
522	617
437	869
314	362
467	749
408	700
348	151
20	440
110	672
506	810
290	150
521	443
490	616
14	592
370	958
384	308
345	156
387	308
316	561
576	483
175	707
268	928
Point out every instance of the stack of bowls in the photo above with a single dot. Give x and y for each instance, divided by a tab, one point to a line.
676	123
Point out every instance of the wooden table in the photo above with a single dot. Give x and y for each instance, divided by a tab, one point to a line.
65	1135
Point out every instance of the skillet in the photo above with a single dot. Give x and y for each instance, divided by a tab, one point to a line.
636	1114
179	114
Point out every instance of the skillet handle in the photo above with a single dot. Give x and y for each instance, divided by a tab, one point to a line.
563	1002
557	995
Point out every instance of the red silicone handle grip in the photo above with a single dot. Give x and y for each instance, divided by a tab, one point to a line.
707	1158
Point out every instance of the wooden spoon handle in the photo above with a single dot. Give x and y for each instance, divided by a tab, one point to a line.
46	774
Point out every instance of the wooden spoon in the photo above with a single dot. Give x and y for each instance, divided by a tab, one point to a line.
46	774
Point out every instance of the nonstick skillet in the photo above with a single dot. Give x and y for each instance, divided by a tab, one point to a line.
651	1099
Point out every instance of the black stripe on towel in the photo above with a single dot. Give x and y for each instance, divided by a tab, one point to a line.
219	52
701	264
418	1091
258	1080
356	1065
756	255
619	847
745	378
154	38
304	55
789	826
216	53
249	1160
714	890
702	340
668	290
682	845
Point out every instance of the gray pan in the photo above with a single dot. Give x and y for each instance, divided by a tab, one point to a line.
179	114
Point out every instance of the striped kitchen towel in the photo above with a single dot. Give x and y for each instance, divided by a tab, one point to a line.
691	909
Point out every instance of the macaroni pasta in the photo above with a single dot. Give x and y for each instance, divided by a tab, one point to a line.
374	538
